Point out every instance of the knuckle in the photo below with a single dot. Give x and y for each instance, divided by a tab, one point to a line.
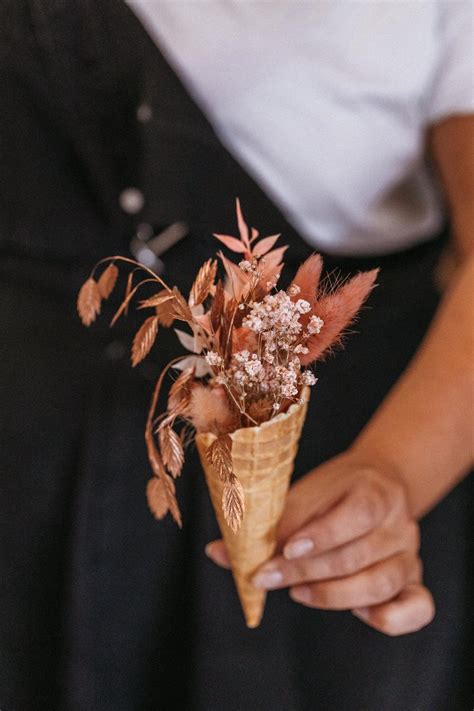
386	585
367	506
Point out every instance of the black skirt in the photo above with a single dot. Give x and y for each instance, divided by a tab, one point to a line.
103	607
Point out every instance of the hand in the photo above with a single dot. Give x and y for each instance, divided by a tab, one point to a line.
348	542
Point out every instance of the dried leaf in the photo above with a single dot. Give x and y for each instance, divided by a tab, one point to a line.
165	313
233	503
107	280
157	299
89	302
264	245
171	450
203	282
199	364
217	307
144	339
239	281
128	291
243	229
156	497
231	243
254	236
180	392
219	454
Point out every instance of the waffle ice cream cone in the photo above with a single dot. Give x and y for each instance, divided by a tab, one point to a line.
263	459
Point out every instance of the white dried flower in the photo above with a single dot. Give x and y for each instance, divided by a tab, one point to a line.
301	349
294	290
307	378
315	325
213	358
303	306
245	265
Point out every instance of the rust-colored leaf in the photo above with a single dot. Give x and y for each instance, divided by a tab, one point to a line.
203	282
243	228
107	280
173	504
180	392
233	503
157	498
89	302
171	450
217	307
144	339
219	454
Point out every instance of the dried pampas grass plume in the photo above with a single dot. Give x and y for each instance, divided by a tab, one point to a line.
209	410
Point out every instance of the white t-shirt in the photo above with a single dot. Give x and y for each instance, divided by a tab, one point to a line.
326	103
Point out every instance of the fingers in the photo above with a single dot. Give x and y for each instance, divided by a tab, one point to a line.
360	511
341	562
372	586
216	551
412	609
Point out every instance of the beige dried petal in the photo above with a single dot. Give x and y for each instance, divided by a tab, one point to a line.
171	450
107	281
157	498
219	455
233	503
144	339
203	282
89	302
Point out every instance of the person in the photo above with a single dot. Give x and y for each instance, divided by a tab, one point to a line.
342	126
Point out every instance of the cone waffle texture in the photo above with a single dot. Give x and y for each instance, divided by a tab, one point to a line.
263	459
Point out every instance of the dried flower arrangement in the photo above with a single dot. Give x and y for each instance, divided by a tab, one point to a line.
251	347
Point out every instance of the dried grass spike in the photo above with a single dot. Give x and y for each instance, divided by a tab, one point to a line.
233	503
89	302
171	450
144	339
203	282
219	455
165	313
107	280
156	498
180	392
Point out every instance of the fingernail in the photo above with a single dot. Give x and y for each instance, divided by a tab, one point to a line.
296	549
267	579
301	594
362	613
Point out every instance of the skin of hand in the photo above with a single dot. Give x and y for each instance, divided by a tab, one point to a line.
349	538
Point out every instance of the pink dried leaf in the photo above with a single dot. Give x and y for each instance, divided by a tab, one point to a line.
255	234
264	245
199	364
231	243
243	228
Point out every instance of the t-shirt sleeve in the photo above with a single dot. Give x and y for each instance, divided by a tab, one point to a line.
452	89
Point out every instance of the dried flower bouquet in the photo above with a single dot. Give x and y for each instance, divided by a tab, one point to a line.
242	392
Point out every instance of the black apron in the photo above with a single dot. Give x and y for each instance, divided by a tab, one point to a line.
103	608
